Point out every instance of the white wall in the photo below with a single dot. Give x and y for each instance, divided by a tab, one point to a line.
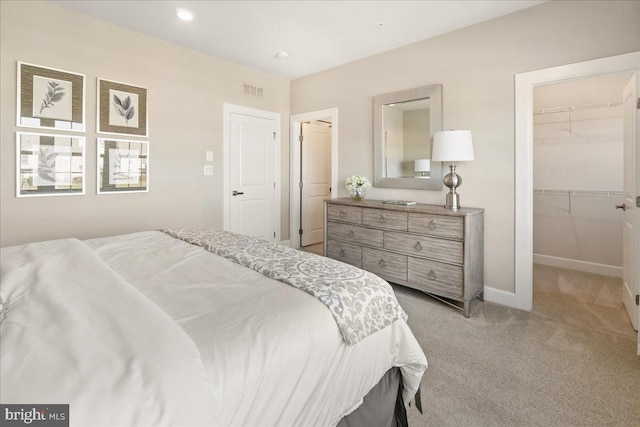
580	228
186	90
586	153
476	67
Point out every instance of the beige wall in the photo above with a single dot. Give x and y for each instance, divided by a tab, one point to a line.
187	90
476	67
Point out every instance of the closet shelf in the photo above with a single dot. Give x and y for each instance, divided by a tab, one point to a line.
574	113
599	193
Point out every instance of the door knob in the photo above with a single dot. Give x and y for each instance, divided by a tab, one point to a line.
237	193
622	206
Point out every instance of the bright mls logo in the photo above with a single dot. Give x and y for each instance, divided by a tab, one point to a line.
36	415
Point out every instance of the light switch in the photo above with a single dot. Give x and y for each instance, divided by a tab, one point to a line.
208	169
209	156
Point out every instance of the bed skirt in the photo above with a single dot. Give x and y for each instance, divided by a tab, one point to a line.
382	406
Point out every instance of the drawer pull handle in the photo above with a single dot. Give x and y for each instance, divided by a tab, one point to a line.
381	263
432	275
383	218
343	213
432	224
352	234
342	253
418	246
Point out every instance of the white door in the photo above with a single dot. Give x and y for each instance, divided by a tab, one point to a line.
631	222
252	179
315	146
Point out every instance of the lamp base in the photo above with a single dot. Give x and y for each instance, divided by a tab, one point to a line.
452	201
452	180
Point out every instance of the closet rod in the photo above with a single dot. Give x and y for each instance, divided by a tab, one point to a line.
581	107
601	193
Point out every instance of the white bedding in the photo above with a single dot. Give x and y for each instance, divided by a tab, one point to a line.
272	354
75	333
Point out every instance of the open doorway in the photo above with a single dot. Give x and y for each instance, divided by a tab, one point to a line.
314	175
315	182
577	184
522	297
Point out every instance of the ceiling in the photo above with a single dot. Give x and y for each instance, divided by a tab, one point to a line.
317	35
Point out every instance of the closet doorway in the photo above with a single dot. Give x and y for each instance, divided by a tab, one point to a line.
315	180
578	190
522	297
314	174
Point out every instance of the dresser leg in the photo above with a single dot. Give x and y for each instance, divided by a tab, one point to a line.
481	295
467	309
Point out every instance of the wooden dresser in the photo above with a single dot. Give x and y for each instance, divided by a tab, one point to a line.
425	247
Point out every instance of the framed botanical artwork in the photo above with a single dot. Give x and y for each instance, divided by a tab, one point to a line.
122	109
50	98
123	166
49	165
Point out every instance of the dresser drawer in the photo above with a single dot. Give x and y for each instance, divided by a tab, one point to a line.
436	277
429	247
385	264
345	252
355	234
436	225
381	218
341	213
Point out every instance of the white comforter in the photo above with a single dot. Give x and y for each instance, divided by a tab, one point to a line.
73	332
273	355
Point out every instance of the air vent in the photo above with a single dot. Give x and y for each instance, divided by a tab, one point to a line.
251	90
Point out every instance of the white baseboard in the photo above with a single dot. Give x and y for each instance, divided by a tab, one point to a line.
285	242
573	264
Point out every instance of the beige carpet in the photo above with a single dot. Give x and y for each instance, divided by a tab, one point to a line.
570	362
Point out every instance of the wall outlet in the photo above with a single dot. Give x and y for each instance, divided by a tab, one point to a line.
208	169
209	156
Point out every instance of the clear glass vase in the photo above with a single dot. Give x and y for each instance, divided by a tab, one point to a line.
358	194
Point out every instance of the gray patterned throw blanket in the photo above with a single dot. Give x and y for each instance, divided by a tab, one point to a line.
360	302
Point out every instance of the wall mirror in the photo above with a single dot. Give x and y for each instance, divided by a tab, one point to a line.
403	127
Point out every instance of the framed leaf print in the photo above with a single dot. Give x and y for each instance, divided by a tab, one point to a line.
49	165
122	109
50	98
123	166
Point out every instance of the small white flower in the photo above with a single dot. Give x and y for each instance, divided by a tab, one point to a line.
357	182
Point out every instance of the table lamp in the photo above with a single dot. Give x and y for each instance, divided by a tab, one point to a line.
421	166
452	146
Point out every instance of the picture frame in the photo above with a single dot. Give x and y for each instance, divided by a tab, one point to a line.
50	98
122	166
49	164
122	109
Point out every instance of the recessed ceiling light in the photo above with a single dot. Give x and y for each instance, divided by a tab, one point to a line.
184	14
282	54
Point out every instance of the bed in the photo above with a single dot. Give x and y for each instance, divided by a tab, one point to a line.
175	328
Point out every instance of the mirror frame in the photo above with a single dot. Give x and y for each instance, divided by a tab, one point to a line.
434	93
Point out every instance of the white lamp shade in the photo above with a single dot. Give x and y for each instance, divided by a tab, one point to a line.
422	165
452	146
